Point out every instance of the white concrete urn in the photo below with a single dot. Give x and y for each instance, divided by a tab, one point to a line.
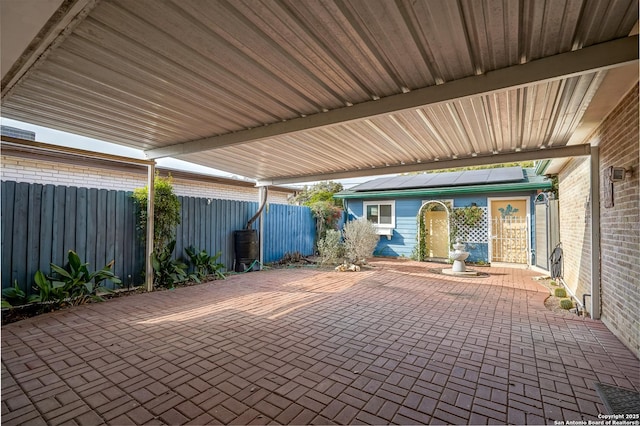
459	256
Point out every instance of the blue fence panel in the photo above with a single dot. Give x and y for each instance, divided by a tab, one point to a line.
41	223
288	229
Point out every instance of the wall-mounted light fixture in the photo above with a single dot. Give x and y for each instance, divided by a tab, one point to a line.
614	174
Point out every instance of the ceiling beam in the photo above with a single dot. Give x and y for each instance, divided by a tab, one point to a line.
589	59
539	154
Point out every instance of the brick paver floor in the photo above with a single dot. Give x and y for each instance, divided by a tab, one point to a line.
394	344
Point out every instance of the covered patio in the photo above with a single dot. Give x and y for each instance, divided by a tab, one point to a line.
394	343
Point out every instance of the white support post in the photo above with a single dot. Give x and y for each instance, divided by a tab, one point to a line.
595	232
149	245
261	195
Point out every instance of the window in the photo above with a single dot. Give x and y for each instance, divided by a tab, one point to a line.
382	214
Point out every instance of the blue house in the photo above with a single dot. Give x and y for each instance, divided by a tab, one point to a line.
420	216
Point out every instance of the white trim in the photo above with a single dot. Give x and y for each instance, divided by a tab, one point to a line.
489	224
382	229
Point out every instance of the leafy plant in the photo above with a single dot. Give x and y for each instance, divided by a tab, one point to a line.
166	211
74	281
205	265
167	272
360	240
327	215
560	292
331	248
49	291
14	296
566	304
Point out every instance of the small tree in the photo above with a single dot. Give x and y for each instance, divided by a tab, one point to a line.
330	248
360	240
166	212
326	215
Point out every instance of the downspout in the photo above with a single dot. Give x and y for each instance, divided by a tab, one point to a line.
264	190
150	231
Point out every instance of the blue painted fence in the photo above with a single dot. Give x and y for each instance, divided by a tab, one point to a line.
40	223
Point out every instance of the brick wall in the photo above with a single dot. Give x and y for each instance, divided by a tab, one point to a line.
32	170
620	224
575	225
618	141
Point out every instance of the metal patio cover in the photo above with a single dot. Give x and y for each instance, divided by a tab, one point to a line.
299	90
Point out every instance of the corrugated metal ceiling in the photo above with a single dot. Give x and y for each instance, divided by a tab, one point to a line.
153	73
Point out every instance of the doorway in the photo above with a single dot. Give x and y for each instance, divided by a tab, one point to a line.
509	230
436	230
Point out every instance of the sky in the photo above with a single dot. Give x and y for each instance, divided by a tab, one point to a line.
47	135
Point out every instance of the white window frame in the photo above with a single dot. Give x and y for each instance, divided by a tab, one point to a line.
382	229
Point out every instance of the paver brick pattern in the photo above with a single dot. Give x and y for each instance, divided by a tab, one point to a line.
390	344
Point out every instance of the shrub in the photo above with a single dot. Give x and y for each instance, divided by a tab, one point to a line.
360	240
73	282
552	282
330	248
206	266
168	271
566	304
166	212
14	296
560	292
327	216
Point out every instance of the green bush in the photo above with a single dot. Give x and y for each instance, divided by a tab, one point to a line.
168	271
14	296
552	282
206	266
166	212
560	292
73	282
566	304
360	240
331	248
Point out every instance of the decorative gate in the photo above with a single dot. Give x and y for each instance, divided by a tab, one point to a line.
509	239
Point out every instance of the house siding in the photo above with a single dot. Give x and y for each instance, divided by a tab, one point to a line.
620	235
575	225
404	239
617	138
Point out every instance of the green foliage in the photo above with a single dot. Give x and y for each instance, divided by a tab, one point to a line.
49	291
206	266
73	282
166	211
327	216
321	191
331	248
552	282
360	240
463	217
14	296
420	250
167	272
560	292
566	304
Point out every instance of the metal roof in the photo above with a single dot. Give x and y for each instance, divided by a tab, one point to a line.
285	91
433	180
513	179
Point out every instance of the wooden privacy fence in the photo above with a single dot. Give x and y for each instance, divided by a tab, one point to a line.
40	223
